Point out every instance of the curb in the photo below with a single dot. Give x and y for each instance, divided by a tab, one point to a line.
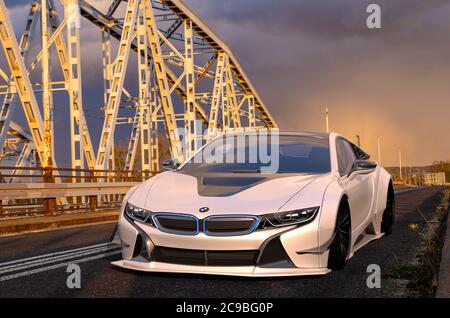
400	191
443	288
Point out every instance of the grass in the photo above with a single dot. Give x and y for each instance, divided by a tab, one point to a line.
404	270
423	275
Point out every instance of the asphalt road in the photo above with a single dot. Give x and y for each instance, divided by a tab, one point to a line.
34	265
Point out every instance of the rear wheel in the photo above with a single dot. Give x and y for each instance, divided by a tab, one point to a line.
340	246
389	213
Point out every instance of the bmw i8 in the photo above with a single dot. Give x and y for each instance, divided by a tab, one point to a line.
306	211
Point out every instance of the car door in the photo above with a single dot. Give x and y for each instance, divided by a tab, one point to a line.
359	187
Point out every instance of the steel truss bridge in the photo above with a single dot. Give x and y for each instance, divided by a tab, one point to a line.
187	80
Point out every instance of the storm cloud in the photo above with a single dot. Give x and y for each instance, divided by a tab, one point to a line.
305	55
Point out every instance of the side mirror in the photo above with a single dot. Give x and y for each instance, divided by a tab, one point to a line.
170	165
363	167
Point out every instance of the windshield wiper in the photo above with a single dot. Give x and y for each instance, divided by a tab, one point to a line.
246	171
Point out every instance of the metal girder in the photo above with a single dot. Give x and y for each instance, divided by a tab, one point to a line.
133	142
180	9
96	17
217	94
22	81
143	88
73	77
226	120
172	29
163	84
6	110
113	7
183	68
142	126
189	109
117	79
231	95
232	77
106	61
81	145
23	159
181	91
154	141
17	136
47	98
251	110
142	123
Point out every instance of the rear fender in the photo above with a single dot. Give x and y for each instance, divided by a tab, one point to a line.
383	185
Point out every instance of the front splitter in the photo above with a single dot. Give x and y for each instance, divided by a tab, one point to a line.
246	271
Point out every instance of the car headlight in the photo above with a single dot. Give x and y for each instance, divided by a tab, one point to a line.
300	216
138	214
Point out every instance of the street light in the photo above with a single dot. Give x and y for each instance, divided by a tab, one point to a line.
379	149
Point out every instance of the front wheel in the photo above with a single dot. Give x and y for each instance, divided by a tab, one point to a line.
340	246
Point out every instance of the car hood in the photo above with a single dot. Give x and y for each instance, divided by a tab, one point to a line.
221	193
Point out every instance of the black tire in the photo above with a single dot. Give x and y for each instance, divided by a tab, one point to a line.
339	248
389	213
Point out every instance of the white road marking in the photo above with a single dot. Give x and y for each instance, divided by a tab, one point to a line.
44	261
47	268
54	254
40	263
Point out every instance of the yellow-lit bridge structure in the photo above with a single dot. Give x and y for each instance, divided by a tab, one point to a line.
188	81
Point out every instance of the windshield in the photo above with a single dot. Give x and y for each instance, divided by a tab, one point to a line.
253	154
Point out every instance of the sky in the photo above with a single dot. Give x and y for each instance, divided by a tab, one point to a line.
305	55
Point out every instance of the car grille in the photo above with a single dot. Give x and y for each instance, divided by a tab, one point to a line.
176	223
225	225
203	257
229	225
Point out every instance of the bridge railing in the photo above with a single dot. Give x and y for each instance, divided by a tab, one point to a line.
74	190
11	174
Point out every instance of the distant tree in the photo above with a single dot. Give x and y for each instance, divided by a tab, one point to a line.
120	153
121	149
440	166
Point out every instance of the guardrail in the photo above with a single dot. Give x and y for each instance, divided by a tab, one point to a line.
29	198
54	190
11	174
28	191
32	191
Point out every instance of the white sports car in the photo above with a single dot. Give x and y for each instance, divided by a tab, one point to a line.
308	216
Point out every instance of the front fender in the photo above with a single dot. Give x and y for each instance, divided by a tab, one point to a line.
332	198
308	245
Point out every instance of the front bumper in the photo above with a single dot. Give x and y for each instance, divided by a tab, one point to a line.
286	251
216	270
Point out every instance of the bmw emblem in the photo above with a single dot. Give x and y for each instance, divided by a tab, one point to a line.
204	209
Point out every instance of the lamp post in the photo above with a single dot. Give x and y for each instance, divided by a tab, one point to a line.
379	149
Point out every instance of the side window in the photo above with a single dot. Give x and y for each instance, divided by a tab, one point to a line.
345	156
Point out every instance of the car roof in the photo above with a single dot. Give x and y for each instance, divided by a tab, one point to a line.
321	135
